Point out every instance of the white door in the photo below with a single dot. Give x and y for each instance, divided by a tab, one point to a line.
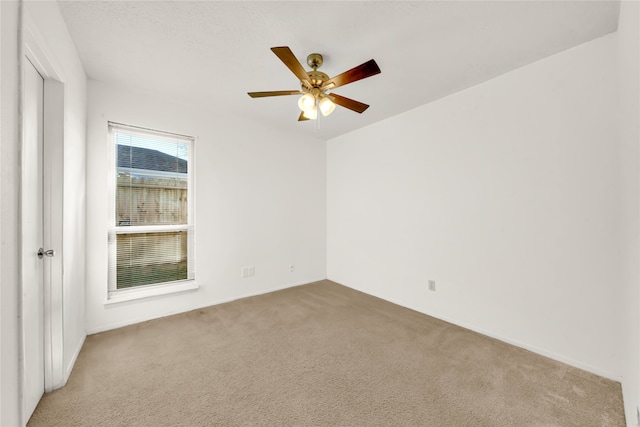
32	239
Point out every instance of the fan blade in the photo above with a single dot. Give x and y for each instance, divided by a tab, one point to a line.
302	117
274	93
286	55
351	104
362	71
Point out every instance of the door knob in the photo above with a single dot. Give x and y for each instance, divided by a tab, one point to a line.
43	253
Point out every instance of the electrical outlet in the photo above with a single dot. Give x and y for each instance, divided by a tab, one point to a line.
291	268
248	271
432	285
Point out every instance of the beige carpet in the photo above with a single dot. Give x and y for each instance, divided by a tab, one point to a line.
319	355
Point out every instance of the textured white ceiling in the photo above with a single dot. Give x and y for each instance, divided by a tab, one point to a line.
211	53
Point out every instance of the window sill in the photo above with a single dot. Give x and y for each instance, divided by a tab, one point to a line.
150	292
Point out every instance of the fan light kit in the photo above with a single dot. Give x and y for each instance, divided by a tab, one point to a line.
315	86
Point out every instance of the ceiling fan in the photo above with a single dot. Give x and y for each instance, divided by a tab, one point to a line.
316	85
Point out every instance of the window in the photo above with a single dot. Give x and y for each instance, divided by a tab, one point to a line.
151	214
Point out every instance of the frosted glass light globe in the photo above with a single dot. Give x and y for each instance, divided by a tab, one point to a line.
306	102
326	106
311	114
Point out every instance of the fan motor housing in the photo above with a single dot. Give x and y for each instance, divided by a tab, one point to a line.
317	78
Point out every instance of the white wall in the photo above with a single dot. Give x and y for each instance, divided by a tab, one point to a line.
628	51
260	201
62	53
1	333
508	195
9	179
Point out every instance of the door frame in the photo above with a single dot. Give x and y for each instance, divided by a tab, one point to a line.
36	50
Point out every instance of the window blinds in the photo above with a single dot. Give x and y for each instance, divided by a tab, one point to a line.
151	236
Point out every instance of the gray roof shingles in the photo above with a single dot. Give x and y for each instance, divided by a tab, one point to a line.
145	158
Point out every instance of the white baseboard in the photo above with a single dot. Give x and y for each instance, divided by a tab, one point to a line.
532	348
508	340
205	304
72	362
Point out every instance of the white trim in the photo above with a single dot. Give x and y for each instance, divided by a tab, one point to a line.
19	244
111	211
113	294
149	172
150	291
508	340
1	333
191	210
37	51
145	132
139	229
72	362
206	304
532	348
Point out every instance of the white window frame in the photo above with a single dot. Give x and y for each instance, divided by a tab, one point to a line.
115	295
